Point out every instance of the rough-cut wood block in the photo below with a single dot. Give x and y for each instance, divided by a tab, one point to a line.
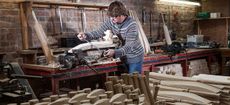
109	94
118	103
102	96
33	101
118	97
25	103
102	102
93	99
117	88
63	96
47	99
78	97
96	92
72	93
12	104
42	103
85	101
109	85
60	101
87	90
128	101
53	97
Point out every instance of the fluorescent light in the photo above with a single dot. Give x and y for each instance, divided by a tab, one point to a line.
182	2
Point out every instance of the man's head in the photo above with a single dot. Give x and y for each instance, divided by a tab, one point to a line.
116	8
117	11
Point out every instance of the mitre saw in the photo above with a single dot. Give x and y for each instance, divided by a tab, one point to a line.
88	53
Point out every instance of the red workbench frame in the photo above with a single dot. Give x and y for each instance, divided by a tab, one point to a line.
150	61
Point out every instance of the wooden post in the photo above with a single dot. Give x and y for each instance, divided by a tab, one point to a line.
25	37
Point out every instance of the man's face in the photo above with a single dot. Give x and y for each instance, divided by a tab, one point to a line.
118	19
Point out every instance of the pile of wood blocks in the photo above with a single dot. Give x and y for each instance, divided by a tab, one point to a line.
124	90
149	89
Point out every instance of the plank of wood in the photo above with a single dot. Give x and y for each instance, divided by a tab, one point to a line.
12	1
213	79
144	89
43	39
169	77
184	96
150	95
135	81
200	93
191	86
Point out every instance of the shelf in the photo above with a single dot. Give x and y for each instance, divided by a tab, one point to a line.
214	29
214	18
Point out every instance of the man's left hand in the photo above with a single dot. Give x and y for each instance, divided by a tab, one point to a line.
109	53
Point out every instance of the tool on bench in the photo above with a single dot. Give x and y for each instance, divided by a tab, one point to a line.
71	60
171	48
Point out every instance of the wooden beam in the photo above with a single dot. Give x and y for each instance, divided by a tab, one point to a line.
25	37
12	1
79	5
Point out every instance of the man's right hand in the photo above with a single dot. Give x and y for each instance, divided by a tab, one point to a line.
81	36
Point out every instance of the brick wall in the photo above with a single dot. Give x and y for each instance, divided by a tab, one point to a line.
10	30
179	18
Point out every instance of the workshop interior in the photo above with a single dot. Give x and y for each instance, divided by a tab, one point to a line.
43	62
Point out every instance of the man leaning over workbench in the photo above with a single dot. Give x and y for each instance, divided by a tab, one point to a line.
121	24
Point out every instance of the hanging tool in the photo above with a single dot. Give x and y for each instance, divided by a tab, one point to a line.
83	20
166	32
58	12
150	25
170	48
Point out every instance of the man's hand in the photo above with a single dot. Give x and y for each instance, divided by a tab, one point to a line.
109	53
81	36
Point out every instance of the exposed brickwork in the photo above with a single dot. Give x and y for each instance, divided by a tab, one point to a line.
10	28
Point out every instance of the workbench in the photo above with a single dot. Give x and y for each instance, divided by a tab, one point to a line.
150	61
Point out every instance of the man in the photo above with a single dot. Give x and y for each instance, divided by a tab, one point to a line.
131	52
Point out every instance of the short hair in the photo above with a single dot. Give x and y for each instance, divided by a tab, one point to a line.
116	8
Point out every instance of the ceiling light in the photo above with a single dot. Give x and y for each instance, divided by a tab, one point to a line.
182	2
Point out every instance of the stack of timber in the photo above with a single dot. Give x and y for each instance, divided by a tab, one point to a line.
202	89
133	86
128	89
